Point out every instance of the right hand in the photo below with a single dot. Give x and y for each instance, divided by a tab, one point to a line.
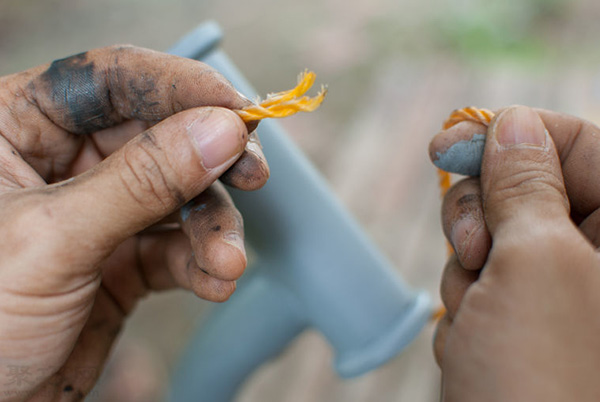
522	291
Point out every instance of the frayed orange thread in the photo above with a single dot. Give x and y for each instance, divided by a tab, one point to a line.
438	314
473	114
286	103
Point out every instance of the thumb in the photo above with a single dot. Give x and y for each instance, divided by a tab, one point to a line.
153	175
521	178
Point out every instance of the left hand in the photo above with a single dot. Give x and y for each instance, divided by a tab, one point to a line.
95	149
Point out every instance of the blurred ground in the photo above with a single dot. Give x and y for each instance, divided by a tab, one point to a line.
395	68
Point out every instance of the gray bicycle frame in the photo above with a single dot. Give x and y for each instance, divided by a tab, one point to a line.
315	267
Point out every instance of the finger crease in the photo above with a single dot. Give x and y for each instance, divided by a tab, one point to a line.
121	309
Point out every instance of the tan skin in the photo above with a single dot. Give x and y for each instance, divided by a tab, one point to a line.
521	322
522	291
98	152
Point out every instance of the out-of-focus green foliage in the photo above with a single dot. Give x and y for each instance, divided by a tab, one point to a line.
521	31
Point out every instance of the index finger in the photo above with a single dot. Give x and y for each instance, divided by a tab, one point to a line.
103	87
577	142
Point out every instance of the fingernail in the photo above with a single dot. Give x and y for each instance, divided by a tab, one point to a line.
255	149
234	239
244	97
462	232
254	146
520	125
218	137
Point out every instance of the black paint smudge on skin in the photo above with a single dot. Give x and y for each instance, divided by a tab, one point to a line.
74	90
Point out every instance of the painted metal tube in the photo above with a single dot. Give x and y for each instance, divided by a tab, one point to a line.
236	339
314	267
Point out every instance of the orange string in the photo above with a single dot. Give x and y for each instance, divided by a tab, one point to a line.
438	314
286	103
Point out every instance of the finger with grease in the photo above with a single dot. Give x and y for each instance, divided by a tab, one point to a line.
107	96
216	232
464	224
251	171
459	149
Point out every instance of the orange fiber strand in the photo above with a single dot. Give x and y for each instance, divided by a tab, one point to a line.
438	314
286	103
473	114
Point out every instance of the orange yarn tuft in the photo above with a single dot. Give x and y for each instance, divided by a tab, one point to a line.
438	314
470	113
287	103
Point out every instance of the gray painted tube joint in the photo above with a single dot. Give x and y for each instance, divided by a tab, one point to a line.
315	268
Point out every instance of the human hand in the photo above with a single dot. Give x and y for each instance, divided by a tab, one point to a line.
96	149
521	291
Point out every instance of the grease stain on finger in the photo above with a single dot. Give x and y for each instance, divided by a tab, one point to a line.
186	210
463	157
190	207
75	95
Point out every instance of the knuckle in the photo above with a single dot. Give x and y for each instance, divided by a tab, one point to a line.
222	92
149	178
122	48
133	76
531	183
212	75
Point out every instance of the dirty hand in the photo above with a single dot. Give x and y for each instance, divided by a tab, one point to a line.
522	290
96	149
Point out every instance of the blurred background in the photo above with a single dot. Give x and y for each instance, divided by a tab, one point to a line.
395	69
